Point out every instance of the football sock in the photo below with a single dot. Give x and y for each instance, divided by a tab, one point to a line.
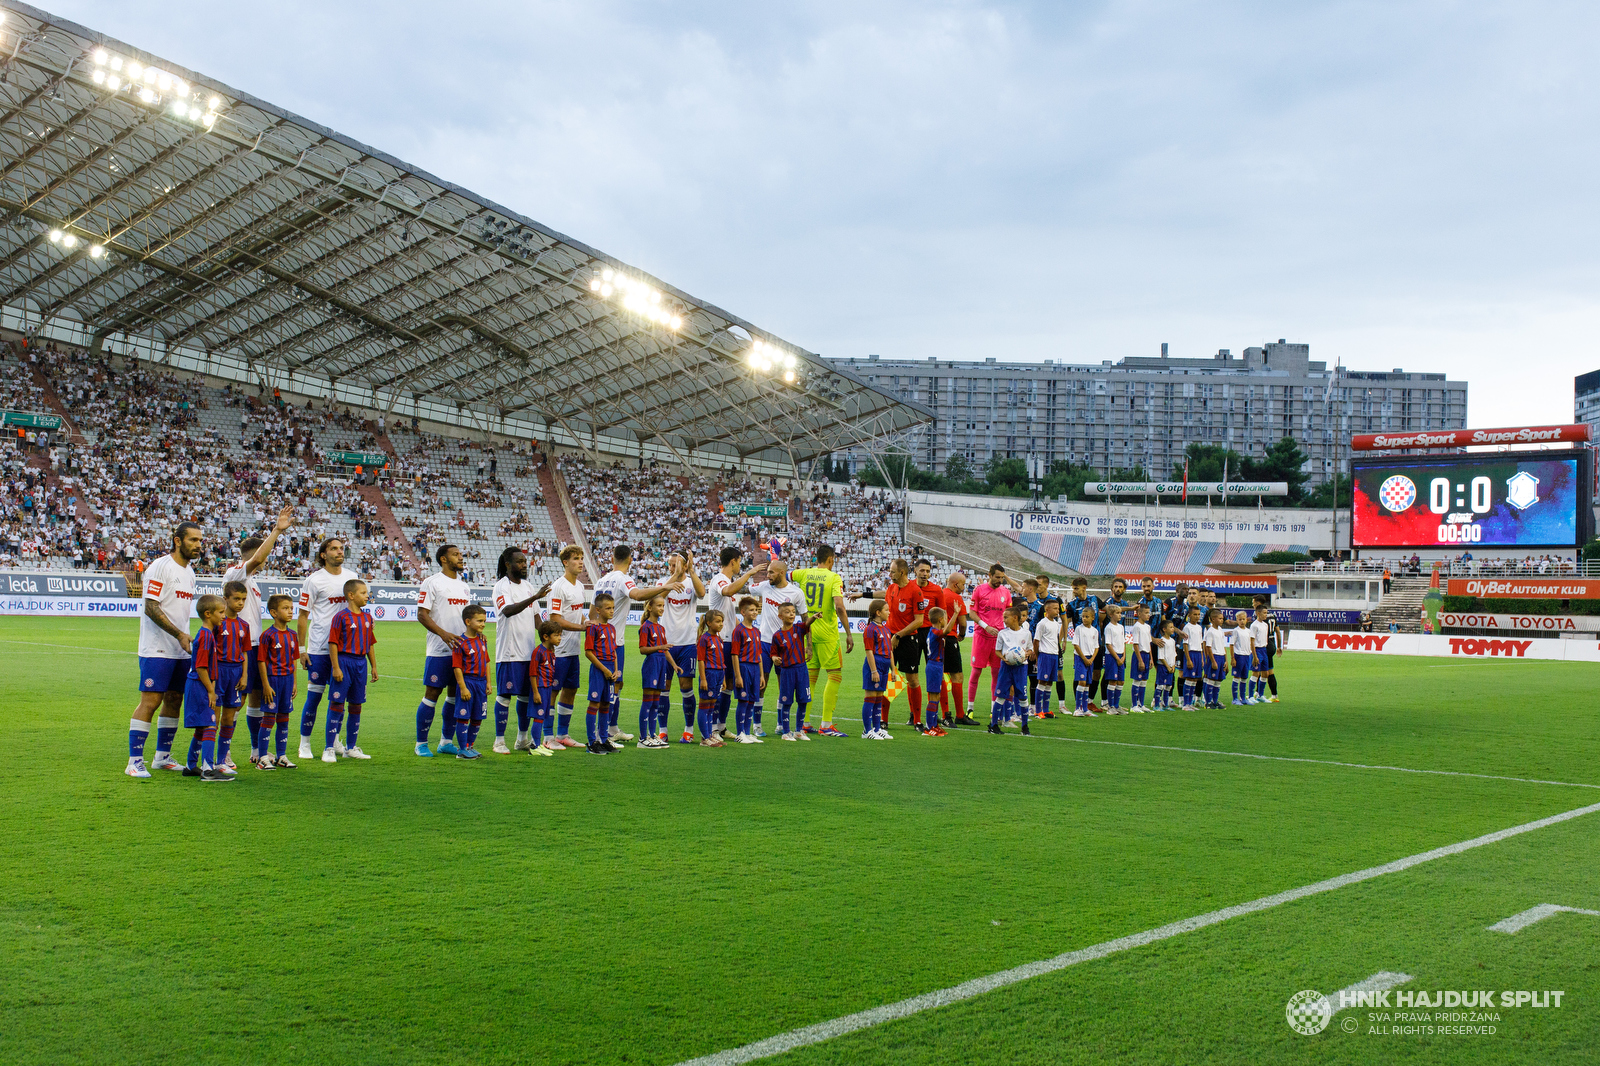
448	727
280	734
589	721
138	733
194	750
1272	683
332	723
708	711
425	711
997	710
688	711
472	731
252	720
166	733
208	747
931	717
647	716
353	728
522	717
502	717
783	716
1116	696
724	701
308	713
224	742
1138	695
1061	689
831	685
915	696
536	726
564	717
959	694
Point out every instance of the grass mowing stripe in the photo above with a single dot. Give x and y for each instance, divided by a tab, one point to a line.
850	1023
1319	762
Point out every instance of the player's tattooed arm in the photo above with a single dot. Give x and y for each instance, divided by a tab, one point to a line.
154	612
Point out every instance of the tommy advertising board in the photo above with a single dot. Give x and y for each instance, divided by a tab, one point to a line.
1447	647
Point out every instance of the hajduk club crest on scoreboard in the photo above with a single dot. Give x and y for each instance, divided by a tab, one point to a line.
1397	493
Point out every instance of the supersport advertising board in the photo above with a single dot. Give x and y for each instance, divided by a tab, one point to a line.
1510	500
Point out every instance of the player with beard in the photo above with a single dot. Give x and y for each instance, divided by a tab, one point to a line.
164	650
321	597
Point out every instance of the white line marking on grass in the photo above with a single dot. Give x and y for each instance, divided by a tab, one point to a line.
1381	981
72	647
816	1034
1318	762
1518	922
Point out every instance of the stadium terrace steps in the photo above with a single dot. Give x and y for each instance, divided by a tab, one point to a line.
53	400
563	517
391	525
1402	604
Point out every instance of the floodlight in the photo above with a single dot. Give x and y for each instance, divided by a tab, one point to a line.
210	119
99	77
116	62
113	83
789	361
164	81
180	86
194	113
134	70
214	103
605	292
96	251
788	375
677	322
594	284
69	241
150	75
147	95
55	236
608	273
180	109
100	57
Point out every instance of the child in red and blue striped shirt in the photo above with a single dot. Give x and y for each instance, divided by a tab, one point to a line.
708	657
600	648
471	662
543	676
749	682
277	656
233	658
655	675
789	660
200	695
350	653
877	642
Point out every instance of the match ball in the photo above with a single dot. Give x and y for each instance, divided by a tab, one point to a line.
1015	657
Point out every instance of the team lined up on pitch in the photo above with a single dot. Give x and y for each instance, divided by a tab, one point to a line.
722	662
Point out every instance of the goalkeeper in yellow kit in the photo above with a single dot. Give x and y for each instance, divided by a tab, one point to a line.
824	591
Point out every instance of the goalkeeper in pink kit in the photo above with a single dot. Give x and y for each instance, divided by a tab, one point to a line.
990	601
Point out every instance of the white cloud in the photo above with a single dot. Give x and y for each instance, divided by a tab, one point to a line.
1397	185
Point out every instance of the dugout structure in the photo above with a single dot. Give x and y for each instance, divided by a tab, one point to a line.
172	217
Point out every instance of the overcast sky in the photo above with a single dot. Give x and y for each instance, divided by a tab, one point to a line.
1399	185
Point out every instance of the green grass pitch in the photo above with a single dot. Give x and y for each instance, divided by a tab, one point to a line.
654	906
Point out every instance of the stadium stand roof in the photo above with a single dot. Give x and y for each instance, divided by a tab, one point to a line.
167	210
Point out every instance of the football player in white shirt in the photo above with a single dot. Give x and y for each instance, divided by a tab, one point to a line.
1193	666
722	595
440	601
516	634
570	612
1216	658
1239	636
623	590
1047	655
1014	644
1085	646
682	626
1139	657
1115	659
253	554
321	597
774	592
1260	660
164	650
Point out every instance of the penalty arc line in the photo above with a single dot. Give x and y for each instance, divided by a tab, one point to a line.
850	1023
